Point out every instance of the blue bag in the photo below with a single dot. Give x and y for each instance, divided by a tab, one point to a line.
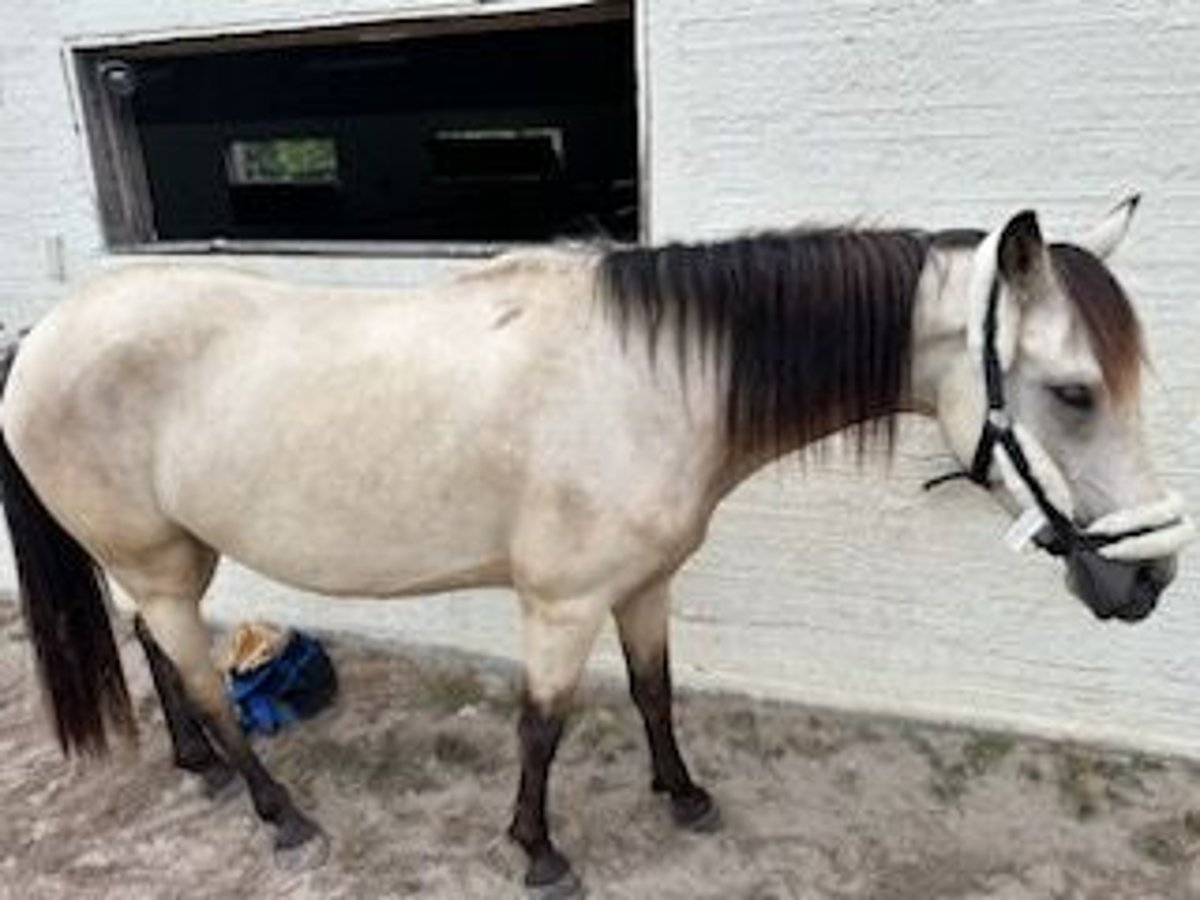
297	683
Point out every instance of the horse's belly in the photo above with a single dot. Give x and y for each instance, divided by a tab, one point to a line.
344	500
341	563
355	539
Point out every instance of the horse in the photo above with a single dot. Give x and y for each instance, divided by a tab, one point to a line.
562	421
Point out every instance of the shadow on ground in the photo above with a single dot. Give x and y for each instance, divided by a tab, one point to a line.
413	771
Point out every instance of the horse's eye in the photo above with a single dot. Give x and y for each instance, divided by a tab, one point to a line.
1078	397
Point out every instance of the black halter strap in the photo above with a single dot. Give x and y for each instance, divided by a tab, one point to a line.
998	429
997	423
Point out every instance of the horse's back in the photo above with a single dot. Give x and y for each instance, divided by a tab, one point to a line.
315	434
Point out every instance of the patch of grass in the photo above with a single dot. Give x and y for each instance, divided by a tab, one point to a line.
866	733
947	777
465	753
505	702
950	784
952	772
847	781
605	734
384	766
346	763
1089	782
756	731
1078	790
741	730
1031	772
451	691
1146	765
818	739
1156	847
454	750
448	691
1170	842
1191	823
983	753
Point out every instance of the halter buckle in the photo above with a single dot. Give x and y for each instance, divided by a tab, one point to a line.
999	419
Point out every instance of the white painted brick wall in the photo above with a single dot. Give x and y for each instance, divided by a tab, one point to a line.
863	590
824	584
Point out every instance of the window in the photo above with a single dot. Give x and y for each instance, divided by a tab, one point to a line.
513	128
297	160
499	154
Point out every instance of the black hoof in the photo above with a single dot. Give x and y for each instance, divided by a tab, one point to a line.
550	878
695	810
300	845
547	867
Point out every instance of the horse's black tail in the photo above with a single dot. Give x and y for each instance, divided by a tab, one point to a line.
64	601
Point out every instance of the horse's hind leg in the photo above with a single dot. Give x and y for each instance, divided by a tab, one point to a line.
642	621
166	587
192	750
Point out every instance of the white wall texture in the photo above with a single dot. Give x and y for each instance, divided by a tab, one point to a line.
821	583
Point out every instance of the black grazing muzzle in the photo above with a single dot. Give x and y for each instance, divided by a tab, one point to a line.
1127	590
1110	587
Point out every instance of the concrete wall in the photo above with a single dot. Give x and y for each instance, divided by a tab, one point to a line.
820	583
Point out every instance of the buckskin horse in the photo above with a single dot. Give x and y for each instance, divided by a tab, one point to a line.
563	422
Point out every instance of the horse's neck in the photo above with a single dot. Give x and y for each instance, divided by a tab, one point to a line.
939	333
938	345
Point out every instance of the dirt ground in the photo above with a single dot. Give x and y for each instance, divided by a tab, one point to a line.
413	771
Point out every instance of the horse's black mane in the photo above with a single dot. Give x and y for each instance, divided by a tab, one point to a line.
813	327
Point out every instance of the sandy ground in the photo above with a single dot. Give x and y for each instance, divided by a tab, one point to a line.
413	771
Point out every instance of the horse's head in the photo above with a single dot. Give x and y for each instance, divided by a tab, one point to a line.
1044	408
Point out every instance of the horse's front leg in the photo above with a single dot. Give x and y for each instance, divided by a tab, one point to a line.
642	621
558	636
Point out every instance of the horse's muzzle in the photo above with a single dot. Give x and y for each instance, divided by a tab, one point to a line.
1128	591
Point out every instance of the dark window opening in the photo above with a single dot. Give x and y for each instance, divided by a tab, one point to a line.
529	154
523	133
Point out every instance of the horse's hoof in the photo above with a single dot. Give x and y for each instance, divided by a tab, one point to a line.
695	810
300	845
568	887
550	878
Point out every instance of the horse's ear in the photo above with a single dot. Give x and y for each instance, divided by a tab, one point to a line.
1106	236
1015	255
1021	254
